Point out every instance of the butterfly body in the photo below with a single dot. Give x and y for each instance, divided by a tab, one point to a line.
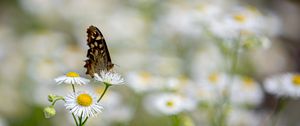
98	54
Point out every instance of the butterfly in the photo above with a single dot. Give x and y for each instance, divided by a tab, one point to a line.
97	54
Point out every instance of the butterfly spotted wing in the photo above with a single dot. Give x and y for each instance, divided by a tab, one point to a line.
98	54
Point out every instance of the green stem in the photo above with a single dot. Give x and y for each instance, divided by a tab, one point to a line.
80	119
175	120
106	87
84	121
75	119
53	103
235	58
137	109
73	87
225	104
277	110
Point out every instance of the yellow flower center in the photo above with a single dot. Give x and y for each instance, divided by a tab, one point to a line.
72	74
214	78
248	81
145	77
84	100
170	103
239	18
296	79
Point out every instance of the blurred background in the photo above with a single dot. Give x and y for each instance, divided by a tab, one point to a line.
158	46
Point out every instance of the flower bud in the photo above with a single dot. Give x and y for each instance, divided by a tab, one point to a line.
51	97
49	112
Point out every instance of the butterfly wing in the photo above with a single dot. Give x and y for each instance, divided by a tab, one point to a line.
98	54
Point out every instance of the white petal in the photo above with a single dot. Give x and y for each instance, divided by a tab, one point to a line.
60	79
68	81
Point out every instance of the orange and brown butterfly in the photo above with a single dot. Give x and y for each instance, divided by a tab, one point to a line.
97	54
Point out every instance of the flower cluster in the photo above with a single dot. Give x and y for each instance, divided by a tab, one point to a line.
82	104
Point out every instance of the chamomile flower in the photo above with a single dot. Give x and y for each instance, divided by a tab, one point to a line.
143	81
169	104
245	20
83	104
201	93
72	78
284	85
246	90
177	83
207	12
185	21
218	81
108	77
291	82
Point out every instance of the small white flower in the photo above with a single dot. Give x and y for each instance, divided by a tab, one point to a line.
291	82
218	81
169	104
83	103
247	91
246	20
284	85
185	22
242	20
207	12
177	83
143	81
200	92
109	78
71	78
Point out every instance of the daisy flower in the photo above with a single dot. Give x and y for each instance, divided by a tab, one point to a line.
83	104
177	83
169	104
246	90
144	81
72	78
291	82
217	81
200	92
108	77
245	20
284	85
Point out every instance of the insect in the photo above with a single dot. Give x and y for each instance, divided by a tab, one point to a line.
97	54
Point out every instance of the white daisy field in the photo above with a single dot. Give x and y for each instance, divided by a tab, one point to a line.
149	63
